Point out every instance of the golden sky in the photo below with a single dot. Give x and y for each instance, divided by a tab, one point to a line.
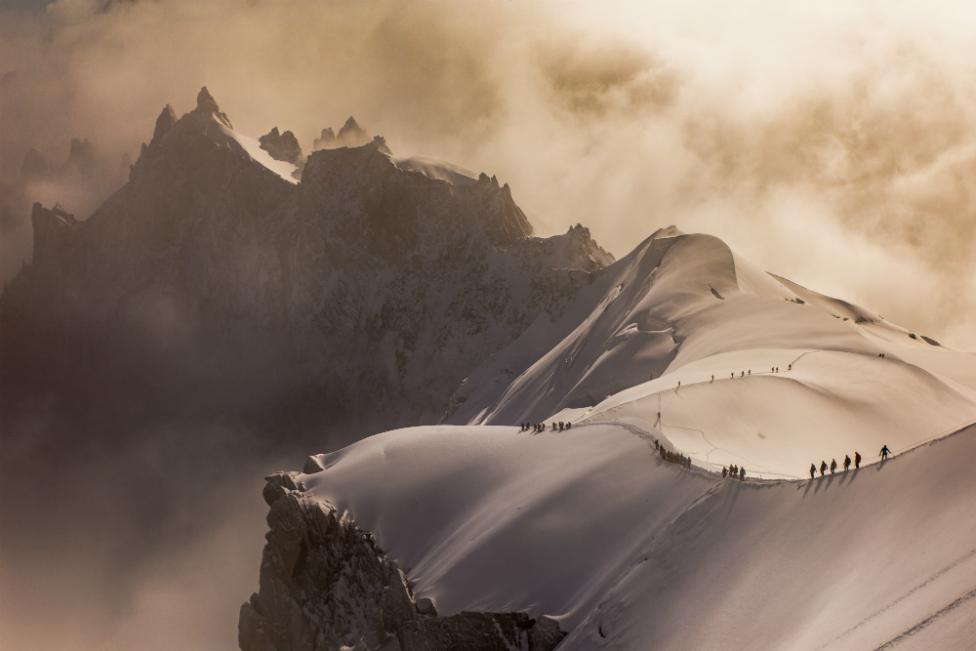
833	143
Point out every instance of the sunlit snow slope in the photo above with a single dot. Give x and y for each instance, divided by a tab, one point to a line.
685	309
630	552
591	527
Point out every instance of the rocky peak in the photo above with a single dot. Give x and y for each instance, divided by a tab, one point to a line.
165	122
351	134
326	140
207	104
282	146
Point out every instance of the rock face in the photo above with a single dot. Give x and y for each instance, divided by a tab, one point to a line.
326	140
326	585
350	135
282	146
362	295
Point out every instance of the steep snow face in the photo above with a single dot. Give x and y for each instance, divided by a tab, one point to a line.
629	552
284	169
684	309
486	518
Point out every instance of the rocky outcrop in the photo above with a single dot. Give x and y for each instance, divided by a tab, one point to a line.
282	146
165	122
350	135
326	585
326	140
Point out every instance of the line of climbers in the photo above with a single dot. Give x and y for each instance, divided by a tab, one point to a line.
772	369
885	451
733	471
672	457
541	427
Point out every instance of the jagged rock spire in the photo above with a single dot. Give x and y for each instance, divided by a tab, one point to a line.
325	141
282	146
207	104
351	134
165	122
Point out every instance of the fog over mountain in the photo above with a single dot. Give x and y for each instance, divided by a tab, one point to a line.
241	237
846	134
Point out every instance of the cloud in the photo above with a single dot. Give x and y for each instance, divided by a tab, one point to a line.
835	146
655	119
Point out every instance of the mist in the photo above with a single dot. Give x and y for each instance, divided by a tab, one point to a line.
849	133
834	147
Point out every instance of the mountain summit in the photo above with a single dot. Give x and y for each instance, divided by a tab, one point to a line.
373	275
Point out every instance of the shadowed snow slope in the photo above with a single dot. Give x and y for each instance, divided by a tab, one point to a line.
684	309
629	552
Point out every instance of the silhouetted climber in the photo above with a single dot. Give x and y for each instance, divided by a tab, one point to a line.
742	473
885	452
823	468
857	460
734	471
733	375
725	471
568	425
789	367
742	373
713	378
847	462
749	372
813	470
833	466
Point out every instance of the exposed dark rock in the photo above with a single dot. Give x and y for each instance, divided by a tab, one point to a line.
165	122
325	584
282	146
326	140
351	134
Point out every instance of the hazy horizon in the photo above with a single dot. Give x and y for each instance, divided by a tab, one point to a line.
831	147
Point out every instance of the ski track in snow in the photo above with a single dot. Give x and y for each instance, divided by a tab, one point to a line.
891	604
928	621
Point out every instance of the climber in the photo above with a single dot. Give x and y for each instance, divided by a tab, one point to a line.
833	466
857	460
823	468
885	452
847	462
813	470
742	473
725	471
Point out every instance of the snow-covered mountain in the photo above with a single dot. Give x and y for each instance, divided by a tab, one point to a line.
686	310
684	345
354	290
362	294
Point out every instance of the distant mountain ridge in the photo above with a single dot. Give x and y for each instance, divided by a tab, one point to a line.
216	273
